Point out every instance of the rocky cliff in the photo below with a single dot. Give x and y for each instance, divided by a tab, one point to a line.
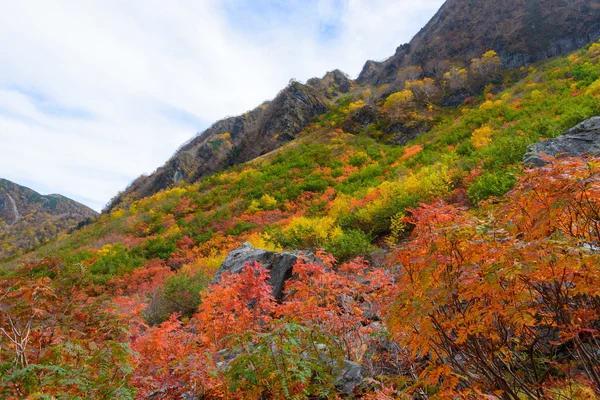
520	31
239	139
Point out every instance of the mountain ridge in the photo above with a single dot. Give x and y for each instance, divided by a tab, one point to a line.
238	139
511	29
520	31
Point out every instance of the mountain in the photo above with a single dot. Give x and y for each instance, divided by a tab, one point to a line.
520	31
239	139
391	243
28	219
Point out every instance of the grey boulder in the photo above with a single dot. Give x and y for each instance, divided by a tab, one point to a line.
577	141
350	378
280	265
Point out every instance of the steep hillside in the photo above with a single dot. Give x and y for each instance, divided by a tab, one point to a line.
239	139
520	31
28	219
445	268
124	307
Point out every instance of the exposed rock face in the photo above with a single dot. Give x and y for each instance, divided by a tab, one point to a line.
333	84
582	139
236	140
520	31
361	119
28	219
279	265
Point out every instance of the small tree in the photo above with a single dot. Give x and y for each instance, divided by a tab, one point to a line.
397	102
487	67
456	79
423	90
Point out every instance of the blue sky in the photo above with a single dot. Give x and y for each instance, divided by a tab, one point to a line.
94	93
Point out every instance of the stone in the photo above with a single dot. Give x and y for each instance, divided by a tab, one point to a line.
350	378
577	141
280	265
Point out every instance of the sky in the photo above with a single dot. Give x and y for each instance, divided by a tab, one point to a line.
94	93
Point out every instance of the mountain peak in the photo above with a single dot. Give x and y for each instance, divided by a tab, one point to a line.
520	31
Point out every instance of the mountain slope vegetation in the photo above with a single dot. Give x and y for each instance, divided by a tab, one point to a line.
447	268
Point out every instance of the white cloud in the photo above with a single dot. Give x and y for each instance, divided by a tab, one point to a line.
94	93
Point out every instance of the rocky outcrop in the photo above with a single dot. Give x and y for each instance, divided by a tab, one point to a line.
279	265
520	31
333	84
577	141
236	140
361	119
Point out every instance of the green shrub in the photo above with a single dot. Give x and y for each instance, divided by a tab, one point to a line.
358	159
159	247
114	260
314	184
351	244
241	227
181	294
491	184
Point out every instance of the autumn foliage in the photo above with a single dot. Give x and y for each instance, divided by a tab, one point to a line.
506	303
468	292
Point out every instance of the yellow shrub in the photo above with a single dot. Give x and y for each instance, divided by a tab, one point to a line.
316	230
594	50
267	202
536	95
482	137
339	207
397	228
105	250
356	105
254	207
429	182
487	105
383	195
214	260
397	101
594	88
262	241
117	214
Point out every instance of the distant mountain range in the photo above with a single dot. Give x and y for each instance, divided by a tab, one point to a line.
28	219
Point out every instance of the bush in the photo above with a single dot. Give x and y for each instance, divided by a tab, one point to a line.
351	244
241	227
304	232
159	247
491	184
291	362
180	294
314	184
114	260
